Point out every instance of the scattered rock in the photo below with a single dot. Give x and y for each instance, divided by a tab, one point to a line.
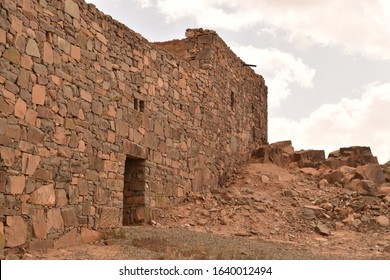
308	214
322	229
202	222
383	221
264	179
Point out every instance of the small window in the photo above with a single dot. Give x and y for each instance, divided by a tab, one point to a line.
135	104
139	105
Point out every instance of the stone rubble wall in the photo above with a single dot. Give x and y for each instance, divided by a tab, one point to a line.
80	92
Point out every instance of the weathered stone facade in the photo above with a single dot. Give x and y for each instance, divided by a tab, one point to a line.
99	127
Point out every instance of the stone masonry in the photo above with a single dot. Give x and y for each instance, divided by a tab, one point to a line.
100	128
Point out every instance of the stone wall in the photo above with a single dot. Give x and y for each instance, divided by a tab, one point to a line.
99	127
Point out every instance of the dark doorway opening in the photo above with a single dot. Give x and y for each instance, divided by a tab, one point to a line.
134	191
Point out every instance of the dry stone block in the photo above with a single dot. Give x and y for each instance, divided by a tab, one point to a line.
44	195
30	163
48	56
109	217
88	236
20	108
67	240
64	45
69	216
61	199
17	184
7	156
38	94
2	241
12	55
15	231
39	223
72	9
55	220
35	135
32	48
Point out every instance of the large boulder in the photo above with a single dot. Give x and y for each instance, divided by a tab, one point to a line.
279	153
309	158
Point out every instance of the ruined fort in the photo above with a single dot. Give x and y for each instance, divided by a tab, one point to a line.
100	128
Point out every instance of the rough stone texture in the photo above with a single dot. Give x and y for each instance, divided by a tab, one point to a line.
88	236
32	48
39	223
44	195
81	93
72	9
69	216
55	220
67	240
371	172
17	184
109	217
15	231
383	221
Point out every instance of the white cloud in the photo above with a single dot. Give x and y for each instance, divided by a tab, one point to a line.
355	26
279	69
351	122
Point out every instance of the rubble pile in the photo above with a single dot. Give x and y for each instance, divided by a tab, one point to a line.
294	196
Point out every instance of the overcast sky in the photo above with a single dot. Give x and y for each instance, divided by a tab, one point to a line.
326	63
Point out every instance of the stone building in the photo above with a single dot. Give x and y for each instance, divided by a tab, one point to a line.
100	128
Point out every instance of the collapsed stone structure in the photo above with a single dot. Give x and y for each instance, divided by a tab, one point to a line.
100	128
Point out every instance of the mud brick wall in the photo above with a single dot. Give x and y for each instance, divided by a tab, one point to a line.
100	128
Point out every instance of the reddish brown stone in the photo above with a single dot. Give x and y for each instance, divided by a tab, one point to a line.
61	198
31	116
15	231
44	195
48	56
334	176
38	94
20	108
75	52
6	107
16	24
30	163
39	223
371	172
12	55
83	186
67	240
7	156
17	184
88	236
26	62
109	217
69	216
24	78
55	220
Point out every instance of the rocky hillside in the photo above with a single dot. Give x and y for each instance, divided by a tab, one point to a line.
339	203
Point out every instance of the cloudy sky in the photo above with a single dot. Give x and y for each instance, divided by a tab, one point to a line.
326	63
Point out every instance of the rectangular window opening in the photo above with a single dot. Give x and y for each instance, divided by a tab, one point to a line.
141	105
135	104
